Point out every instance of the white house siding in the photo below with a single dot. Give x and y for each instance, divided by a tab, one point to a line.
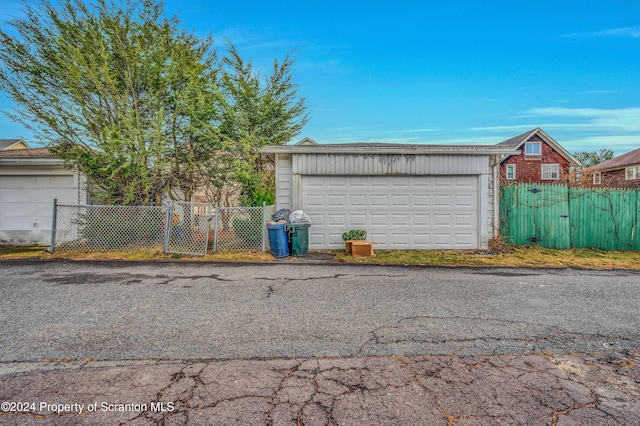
388	164
283	181
26	200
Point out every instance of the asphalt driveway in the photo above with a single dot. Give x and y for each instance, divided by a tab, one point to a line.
289	344
113	311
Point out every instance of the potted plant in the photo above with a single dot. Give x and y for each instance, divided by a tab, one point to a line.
353	235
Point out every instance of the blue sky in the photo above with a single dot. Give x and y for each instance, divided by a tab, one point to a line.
457	72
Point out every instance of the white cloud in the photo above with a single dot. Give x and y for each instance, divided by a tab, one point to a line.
620	120
579	129
618	144
632	32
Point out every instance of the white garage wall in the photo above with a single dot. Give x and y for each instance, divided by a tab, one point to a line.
389	164
294	169
26	201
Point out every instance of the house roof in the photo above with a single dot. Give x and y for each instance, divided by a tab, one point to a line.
628	159
26	153
307	145
33	156
6	144
517	141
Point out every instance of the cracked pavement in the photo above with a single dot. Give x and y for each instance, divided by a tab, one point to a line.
297	344
598	388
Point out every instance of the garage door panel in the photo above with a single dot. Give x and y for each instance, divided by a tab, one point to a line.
420	239
337	182
359	220
401	200
336	220
463	220
26	203
358	182
442	220
380	183
379	219
358	200
399	219
444	181
382	238
337	200
399	183
400	239
463	201
442	200
316	219
25	210
442	239
396	211
379	201
317	240
421	220
464	240
420	200
315	201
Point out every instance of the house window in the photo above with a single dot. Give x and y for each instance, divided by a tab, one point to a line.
631	173
532	148
511	171
597	178
550	172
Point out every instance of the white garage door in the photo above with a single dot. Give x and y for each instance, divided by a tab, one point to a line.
398	212
26	206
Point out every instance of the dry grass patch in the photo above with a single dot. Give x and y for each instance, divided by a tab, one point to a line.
518	257
38	252
20	252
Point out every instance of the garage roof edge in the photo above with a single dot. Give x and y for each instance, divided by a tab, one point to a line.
40	161
389	149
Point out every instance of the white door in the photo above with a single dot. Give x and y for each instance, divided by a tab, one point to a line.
398	212
26	206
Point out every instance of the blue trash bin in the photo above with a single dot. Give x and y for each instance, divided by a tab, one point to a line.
278	240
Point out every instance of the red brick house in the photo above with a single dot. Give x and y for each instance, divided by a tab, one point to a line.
622	171
541	159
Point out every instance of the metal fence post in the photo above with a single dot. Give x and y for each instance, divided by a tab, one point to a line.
206	234
264	226
215	230
167	228
54	222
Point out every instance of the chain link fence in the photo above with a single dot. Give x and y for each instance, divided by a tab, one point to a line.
241	228
189	230
178	227
94	227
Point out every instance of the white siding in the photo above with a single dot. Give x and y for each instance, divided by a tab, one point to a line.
316	184
283	181
389	164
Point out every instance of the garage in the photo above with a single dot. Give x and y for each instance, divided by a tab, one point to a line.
30	179
404	196
400	212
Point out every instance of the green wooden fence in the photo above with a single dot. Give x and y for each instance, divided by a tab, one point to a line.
556	216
